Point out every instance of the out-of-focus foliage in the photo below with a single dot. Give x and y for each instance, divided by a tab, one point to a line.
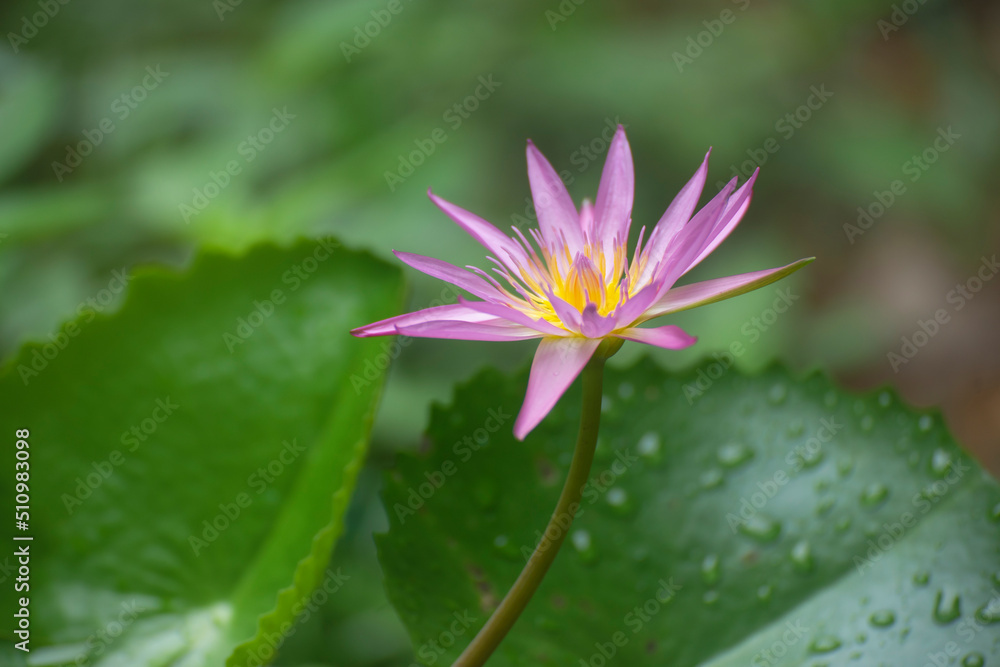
340	109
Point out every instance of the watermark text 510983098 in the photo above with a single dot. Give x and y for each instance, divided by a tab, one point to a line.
22	552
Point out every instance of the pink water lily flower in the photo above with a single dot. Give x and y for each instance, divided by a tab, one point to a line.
575	287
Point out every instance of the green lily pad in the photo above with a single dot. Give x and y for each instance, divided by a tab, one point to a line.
192	456
729	520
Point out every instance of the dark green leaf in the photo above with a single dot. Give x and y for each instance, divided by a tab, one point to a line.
193	455
786	522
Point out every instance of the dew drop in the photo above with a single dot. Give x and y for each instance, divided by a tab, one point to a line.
925	423
734	454
973	660
859	407
845	466
825	506
607	404
921	578
581	540
940	462
626	390
883	618
505	548
802	557
995	514
649	445
811	457
711	478
867	423
842	524
830	398
885	399
765	592
618	499
761	528
874	494
795	428
711	569
989	613
947	606
777	394
710	597
824	644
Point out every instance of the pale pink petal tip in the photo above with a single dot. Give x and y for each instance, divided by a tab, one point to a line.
557	363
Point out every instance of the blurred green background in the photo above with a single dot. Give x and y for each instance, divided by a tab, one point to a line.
140	132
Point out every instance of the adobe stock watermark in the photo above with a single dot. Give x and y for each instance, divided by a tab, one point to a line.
99	642
85	313
31	25
365	33
922	502
696	44
752	330
584	156
130	439
591	492
901	13
463	450
454	116
431	651
248	150
562	12
955	300
772	655
635	620
263	654
913	168
121	108
786	127
294	277
258	481
797	458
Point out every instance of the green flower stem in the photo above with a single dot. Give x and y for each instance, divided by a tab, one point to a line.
503	619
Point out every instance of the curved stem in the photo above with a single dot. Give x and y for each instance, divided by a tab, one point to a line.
520	594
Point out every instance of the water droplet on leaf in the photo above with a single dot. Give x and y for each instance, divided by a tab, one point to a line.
761	528
711	569
824	644
874	494
947	606
733	454
883	618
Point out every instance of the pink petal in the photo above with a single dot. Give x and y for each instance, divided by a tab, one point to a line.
467	280
557	363
691	240
557	216
489	331
455	311
501	246
670	337
710	291
587	219
503	312
568	314
613	208
676	216
735	208
594	325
